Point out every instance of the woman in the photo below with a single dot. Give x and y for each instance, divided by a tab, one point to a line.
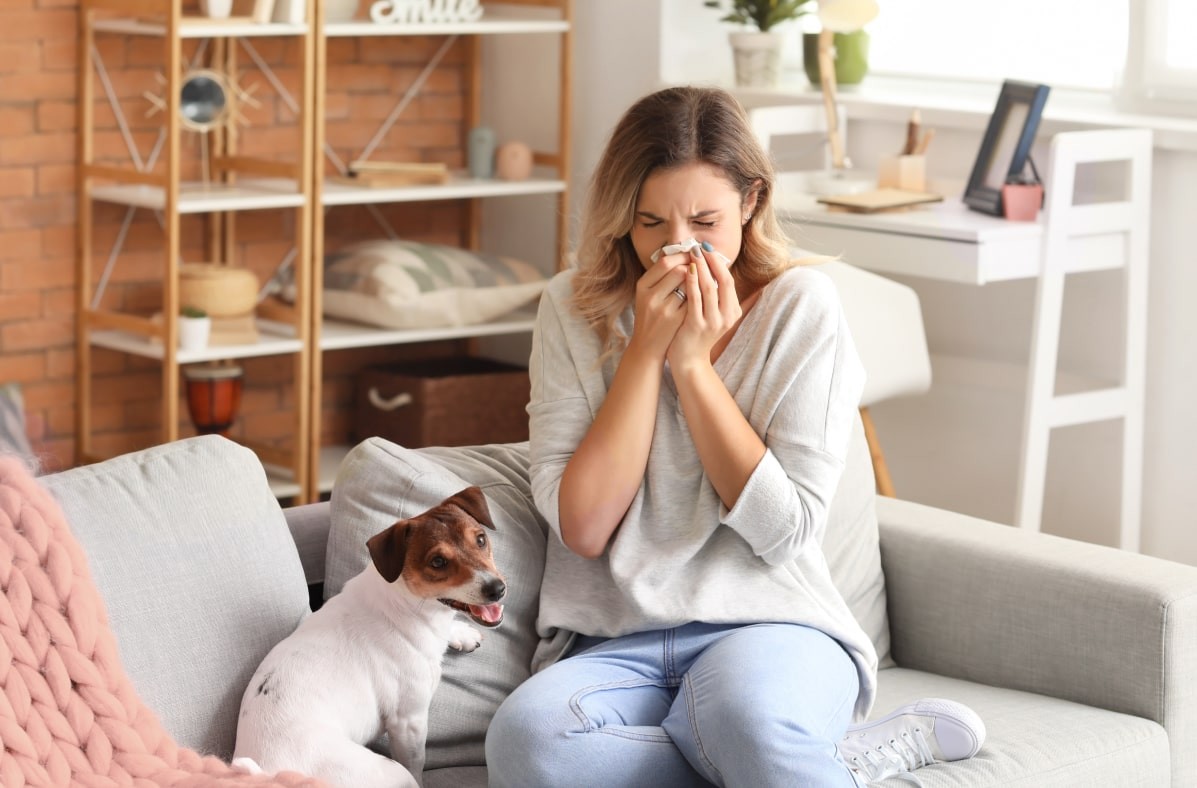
689	422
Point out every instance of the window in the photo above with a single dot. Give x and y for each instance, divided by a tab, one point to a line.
1062	43
1163	63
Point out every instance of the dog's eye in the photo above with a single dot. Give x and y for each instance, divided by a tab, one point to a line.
482	540
438	562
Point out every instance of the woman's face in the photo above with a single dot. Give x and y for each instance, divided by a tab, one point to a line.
691	200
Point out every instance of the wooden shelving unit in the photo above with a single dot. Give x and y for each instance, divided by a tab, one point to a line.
514	17
154	183
239	184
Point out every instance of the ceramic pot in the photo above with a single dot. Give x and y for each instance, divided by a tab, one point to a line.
757	58
340	10
216	9
851	57
194	332
213	397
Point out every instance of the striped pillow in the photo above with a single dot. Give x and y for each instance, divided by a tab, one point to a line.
406	284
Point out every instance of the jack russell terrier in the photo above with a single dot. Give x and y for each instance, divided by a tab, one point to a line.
369	659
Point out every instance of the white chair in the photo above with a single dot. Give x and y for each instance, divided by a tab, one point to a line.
887	327
884	316
1090	237
785	120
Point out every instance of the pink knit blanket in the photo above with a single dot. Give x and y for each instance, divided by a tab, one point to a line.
68	713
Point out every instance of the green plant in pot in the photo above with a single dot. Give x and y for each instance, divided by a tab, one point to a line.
757	55
851	41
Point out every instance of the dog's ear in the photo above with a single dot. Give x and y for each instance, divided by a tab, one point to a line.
388	550
473	502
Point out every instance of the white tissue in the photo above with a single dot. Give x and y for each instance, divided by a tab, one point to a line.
684	246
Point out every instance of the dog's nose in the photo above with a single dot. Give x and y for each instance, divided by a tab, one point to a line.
494	589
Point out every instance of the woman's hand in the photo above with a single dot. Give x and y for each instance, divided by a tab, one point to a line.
712	309
659	311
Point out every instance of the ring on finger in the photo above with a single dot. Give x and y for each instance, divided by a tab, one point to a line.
677	291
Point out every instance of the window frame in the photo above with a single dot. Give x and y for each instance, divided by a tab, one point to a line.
1149	85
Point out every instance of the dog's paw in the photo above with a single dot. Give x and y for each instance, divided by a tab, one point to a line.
463	637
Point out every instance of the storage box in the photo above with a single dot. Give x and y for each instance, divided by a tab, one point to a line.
459	401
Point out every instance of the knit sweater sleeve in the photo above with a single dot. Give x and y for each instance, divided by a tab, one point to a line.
806	397
559	412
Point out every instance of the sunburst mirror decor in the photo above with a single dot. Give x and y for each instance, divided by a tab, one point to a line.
208	99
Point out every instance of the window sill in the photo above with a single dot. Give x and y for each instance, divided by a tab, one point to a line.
965	105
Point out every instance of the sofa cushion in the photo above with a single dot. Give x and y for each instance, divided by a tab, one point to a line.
852	545
380	482
71	716
1035	740
197	568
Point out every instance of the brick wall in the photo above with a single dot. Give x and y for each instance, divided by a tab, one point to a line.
38	149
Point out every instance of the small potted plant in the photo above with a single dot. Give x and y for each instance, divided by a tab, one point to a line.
757	55
195	326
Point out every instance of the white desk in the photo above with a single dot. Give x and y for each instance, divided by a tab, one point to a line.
947	242
944	241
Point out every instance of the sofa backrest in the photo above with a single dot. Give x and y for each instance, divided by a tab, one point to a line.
198	572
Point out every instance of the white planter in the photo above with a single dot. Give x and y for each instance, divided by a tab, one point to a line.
194	332
757	58
217	9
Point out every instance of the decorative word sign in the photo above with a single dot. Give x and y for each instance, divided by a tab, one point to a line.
414	12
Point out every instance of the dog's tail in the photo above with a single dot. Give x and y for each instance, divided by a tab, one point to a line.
247	765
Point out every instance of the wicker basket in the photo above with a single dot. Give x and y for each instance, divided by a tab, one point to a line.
219	290
443	402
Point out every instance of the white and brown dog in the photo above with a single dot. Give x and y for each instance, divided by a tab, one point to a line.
369	660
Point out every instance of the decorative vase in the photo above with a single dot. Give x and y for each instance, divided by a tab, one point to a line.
213	396
757	58
340	10
481	155
216	9
851	57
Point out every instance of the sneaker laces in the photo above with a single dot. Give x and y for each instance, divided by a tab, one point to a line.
897	757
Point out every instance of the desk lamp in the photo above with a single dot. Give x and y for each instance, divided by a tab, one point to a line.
838	16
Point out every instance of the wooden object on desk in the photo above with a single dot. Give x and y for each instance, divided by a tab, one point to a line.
907	172
887	199
388	174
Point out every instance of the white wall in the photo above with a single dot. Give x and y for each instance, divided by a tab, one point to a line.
958	447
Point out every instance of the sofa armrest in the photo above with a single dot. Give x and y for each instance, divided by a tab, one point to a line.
1000	606
309	528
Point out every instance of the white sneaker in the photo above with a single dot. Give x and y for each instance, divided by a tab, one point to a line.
910	737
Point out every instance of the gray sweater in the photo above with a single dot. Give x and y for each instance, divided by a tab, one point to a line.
680	555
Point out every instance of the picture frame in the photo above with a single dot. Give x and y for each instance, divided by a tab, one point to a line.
1006	144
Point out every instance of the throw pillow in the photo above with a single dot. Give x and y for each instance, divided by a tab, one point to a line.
852	545
13	438
406	285
71	715
198	569
380	482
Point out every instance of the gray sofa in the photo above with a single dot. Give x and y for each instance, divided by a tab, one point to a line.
1082	660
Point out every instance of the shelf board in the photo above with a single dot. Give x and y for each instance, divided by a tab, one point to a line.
456	188
272	342
338	335
201	27
491	24
197	197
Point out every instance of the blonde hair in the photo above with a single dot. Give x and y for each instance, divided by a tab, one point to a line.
670	128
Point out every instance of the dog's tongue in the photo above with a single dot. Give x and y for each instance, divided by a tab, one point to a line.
491	614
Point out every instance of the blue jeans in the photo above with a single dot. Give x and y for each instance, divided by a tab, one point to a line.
734	705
